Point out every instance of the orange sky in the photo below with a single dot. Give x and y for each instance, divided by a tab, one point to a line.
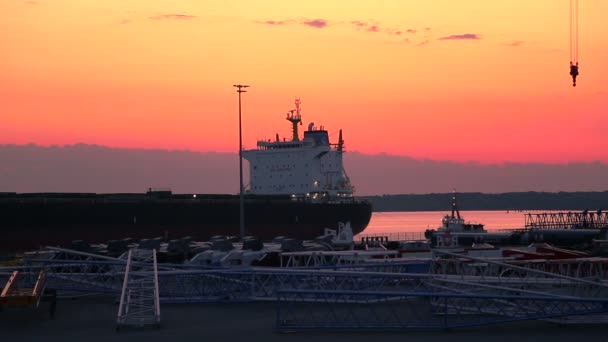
159	74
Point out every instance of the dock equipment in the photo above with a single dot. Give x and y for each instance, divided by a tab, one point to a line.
456	290
461	291
567	220
17	294
139	299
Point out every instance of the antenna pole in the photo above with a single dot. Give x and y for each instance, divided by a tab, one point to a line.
240	88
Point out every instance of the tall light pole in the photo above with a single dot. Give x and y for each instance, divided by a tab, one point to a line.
240	88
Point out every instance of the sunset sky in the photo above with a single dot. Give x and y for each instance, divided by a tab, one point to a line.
462	80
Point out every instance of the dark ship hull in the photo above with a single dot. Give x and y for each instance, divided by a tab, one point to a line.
30	221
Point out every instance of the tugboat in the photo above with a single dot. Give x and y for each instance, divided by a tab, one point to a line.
454	230
455	223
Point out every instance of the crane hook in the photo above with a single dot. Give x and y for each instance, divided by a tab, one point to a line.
573	72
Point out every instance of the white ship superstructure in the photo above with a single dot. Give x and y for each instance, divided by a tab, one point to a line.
311	167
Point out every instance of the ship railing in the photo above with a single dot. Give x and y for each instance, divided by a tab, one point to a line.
272	145
392	236
507	230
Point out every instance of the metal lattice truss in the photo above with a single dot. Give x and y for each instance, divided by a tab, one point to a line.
567	220
200	285
89	273
264	283
301	309
72	272
139	299
396	265
328	258
466	274
458	291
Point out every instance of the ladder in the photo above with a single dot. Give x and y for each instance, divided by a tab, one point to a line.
139	299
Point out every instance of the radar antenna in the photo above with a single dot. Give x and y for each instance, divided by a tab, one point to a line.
295	118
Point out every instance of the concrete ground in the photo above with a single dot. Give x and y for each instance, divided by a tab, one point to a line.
93	319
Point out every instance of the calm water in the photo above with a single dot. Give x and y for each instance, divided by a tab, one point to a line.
412	225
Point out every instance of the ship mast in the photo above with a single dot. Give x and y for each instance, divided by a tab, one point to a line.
455	206
295	118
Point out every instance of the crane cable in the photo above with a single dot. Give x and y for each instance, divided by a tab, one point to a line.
574	41
574	31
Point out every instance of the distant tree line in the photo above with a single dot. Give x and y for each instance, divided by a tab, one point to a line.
483	201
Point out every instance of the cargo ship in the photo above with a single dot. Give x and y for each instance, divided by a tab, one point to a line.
297	188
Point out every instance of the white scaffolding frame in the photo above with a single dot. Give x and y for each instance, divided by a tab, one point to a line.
139	298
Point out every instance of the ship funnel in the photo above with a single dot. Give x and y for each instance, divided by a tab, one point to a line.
340	142
311	125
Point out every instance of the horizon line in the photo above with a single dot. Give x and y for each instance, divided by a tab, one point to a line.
477	162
